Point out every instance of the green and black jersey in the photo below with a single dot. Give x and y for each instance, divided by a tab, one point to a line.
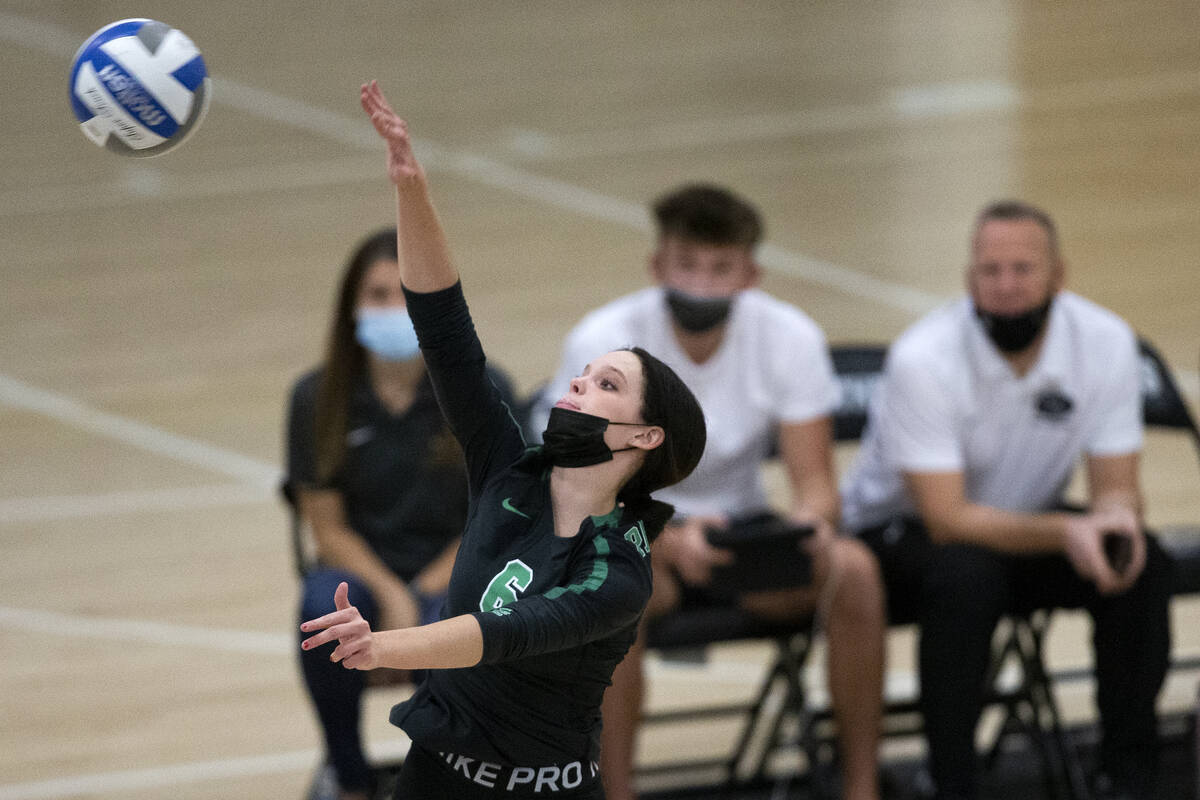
557	613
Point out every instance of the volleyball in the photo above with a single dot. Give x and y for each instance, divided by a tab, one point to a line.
139	87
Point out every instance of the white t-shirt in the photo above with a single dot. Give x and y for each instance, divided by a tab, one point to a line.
949	402
772	366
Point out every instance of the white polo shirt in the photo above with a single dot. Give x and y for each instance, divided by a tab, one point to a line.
949	402
772	366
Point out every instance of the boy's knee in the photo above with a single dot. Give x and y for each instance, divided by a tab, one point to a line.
860	582
857	563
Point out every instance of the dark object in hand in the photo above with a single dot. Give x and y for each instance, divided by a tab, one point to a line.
768	553
1118	549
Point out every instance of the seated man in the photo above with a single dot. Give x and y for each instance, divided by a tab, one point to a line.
760	368
985	407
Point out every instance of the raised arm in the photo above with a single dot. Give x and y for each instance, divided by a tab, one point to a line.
476	411
425	264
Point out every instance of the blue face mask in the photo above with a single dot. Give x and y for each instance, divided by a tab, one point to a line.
388	333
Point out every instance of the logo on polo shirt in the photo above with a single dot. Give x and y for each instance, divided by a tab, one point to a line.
1053	405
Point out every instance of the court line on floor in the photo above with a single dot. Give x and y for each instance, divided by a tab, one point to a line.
48	508
129	780
170	634
141	184
904	106
17	394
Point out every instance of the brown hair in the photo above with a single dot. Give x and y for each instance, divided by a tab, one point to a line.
345	358
708	214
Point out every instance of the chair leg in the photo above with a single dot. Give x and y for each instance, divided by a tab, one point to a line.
1032	709
1032	638
786	670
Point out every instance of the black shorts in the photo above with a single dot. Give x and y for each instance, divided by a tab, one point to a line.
430	776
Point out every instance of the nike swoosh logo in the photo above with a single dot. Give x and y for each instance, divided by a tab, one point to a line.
507	505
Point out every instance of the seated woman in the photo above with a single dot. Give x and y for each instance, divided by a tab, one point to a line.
554	569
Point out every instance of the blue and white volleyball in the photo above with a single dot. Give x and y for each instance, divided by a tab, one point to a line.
139	87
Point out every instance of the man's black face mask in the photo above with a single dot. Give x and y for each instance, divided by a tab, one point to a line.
697	314
1012	333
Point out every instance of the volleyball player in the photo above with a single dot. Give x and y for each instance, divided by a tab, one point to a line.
553	572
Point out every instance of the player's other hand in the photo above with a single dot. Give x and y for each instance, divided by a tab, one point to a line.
356	643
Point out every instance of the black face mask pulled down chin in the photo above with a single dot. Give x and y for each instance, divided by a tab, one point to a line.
1012	333
576	439
697	314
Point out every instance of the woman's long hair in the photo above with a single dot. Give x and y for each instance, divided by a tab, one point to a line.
345	358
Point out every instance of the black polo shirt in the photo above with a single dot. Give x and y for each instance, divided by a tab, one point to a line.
403	492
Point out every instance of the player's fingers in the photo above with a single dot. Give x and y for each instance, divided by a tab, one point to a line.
317	640
387	126
381	122
383	102
332	618
370	96
341	596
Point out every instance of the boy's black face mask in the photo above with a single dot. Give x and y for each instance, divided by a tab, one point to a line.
1012	333
697	314
575	439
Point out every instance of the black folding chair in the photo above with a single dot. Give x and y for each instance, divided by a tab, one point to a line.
1164	409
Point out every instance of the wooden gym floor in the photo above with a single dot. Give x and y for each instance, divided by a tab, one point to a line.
154	312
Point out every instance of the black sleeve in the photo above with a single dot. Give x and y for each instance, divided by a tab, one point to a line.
607	592
475	409
301	433
504	386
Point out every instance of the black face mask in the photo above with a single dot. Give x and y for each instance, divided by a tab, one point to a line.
576	439
697	314
1012	333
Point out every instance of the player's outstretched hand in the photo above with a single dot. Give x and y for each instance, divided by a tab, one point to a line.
402	164
356	644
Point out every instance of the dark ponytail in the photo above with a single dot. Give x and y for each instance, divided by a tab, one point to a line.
670	404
